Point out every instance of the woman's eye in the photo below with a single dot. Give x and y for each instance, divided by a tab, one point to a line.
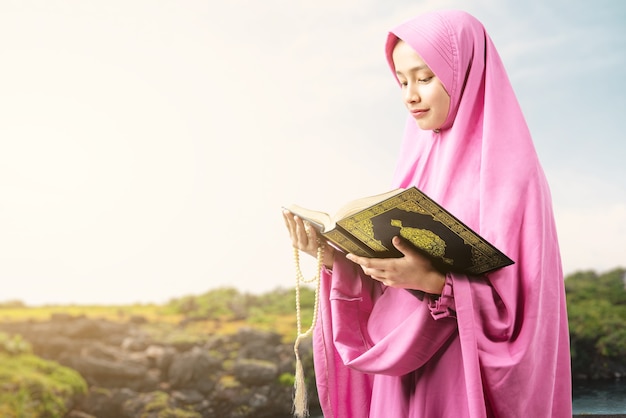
425	80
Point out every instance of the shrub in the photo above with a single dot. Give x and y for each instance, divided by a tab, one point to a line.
34	387
596	306
14	344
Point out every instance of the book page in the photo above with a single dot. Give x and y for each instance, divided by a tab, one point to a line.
325	222
320	220
358	205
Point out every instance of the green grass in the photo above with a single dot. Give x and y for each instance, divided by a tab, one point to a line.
162	323
34	387
158	407
112	312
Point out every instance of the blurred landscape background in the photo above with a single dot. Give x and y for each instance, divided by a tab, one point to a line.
148	146
230	354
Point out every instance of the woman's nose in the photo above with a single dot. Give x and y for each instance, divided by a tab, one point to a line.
411	95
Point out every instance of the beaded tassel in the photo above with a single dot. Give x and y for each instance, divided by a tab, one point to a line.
300	401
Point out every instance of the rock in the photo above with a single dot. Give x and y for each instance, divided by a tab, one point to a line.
258	344
155	404
62	317
105	403
195	365
188	396
258	400
137	319
160	357
79	414
255	372
131	375
135	343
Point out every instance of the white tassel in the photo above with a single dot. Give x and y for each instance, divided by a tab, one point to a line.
300	399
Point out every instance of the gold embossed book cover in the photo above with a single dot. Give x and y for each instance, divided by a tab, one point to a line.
366	226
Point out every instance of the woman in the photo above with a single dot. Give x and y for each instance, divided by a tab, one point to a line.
490	346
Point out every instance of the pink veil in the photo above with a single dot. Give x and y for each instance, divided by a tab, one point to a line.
512	347
483	167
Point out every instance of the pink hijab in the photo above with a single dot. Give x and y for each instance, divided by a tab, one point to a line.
502	346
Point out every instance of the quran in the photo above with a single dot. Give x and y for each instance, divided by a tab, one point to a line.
366	226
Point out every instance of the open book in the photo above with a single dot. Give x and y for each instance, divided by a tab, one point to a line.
366	226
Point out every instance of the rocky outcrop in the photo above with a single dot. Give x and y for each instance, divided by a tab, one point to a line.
247	374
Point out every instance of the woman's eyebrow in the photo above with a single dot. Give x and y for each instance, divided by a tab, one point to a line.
414	69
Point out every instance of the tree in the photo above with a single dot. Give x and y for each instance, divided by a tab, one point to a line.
596	306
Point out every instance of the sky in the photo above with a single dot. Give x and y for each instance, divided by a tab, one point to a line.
147	146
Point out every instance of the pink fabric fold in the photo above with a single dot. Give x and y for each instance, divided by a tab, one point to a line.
443	305
380	352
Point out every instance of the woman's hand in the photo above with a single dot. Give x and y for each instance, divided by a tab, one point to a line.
305	238
413	271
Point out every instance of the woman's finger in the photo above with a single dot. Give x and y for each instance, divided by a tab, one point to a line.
301	233
292	227
381	264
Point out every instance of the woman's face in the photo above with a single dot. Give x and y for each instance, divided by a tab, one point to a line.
422	92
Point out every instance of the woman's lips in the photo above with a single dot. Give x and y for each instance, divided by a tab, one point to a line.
418	113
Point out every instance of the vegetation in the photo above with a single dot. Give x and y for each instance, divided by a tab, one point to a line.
157	406
596	309
596	306
17	311
225	310
31	386
219	311
227	304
